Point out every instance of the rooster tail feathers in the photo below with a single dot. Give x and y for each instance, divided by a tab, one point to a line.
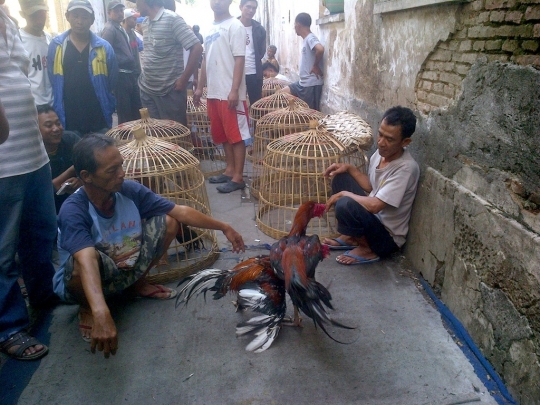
264	327
201	283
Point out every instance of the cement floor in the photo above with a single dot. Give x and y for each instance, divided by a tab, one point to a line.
401	352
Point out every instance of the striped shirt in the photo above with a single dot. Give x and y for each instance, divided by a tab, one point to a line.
164	39
23	152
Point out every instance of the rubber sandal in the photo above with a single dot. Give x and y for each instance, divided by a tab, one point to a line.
222	178
24	341
342	245
359	259
161	289
230	186
85	327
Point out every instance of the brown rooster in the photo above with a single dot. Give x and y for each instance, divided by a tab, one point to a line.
261	283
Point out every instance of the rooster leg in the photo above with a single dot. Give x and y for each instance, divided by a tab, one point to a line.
296	321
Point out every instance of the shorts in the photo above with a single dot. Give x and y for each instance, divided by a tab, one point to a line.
115	280
231	126
310	94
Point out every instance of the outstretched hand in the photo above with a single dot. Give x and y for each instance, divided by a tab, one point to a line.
104	335
236	239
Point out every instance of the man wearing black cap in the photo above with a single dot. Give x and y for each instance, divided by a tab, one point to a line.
128	101
83	71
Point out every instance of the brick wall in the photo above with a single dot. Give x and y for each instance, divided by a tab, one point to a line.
503	30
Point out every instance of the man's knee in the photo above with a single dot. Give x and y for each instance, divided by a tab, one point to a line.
172	226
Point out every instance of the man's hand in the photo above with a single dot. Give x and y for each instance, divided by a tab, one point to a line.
316	70
236	239
337	168
104	335
74	184
333	199
197	96
181	83
233	99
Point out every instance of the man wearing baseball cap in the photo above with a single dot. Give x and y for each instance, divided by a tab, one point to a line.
83	71
36	43
128	101
129	24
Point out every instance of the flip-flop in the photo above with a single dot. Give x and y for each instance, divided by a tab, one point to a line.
161	289
85	327
230	186
359	259
342	245
221	178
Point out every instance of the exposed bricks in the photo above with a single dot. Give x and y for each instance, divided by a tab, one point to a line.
497	30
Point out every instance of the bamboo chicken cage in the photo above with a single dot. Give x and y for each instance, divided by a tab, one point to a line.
167	130
211	156
271	85
173	173
293	170
271	103
274	125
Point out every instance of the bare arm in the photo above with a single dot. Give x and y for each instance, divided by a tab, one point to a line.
189	216
200	85
104	334
361	178
67	176
319	52
372	204
4	125
238	73
195	53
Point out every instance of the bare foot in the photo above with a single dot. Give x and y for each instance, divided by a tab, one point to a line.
86	323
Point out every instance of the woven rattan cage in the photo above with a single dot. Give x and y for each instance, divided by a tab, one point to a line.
271	103
271	85
167	130
173	173
211	156
293	173
274	125
350	129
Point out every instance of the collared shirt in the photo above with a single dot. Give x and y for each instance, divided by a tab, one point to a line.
165	37
23	152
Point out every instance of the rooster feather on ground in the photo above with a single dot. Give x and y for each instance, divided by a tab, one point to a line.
261	283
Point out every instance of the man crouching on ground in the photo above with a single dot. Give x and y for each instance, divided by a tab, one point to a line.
111	232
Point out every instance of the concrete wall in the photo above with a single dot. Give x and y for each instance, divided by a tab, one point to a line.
467	69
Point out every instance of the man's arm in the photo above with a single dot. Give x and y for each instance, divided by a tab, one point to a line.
195	53
189	216
68	176
201	83
238	74
361	178
319	52
104	334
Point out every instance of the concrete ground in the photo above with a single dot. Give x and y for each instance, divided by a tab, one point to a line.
400	352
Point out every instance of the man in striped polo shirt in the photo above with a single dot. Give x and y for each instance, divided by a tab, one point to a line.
27	213
163	80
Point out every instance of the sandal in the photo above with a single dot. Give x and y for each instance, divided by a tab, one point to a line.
24	341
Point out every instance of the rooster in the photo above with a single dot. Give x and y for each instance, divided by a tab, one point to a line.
261	283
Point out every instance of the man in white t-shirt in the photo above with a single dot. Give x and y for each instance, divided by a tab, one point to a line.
223	70
309	87
373	210
255	48
36	43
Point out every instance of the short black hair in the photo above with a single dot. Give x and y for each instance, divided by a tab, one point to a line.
242	2
168	4
267	65
273	47
44	109
84	152
401	116
303	19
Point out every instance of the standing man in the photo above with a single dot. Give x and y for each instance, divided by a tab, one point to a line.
164	80
255	47
309	87
128	101
373	210
36	43
223	67
129	24
83	70
27	216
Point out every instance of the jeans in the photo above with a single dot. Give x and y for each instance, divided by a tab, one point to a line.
27	227
171	106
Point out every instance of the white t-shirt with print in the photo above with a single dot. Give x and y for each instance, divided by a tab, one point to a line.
250	68
224	41
37	48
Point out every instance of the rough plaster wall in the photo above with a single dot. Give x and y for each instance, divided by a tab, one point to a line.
470	235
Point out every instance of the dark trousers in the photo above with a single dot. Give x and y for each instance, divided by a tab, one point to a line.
354	220
128	99
254	88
